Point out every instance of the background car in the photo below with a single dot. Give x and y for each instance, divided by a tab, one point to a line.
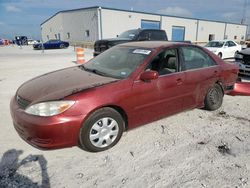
223	48
1	41
130	36
126	86
21	40
243	61
31	42
51	44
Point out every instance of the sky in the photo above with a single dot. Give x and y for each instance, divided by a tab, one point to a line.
23	17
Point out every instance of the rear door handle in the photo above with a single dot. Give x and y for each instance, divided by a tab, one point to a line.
216	73
179	81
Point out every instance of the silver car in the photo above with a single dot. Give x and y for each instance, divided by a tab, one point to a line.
243	61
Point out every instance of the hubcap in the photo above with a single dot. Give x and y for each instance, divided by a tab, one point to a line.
214	96
104	132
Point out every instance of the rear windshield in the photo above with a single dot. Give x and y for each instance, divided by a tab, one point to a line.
130	34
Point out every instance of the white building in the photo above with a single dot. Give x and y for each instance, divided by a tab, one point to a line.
92	23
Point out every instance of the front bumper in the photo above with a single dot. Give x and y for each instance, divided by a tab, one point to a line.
46	132
245	71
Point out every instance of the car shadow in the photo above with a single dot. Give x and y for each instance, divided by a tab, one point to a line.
10	163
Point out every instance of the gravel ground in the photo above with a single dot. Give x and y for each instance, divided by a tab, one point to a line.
191	149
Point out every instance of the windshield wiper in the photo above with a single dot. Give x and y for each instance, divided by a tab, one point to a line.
97	72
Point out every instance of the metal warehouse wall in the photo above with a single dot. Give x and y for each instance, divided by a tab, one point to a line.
115	22
206	28
236	32
52	27
73	26
78	23
190	26
90	24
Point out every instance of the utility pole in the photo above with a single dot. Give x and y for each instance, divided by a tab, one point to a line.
243	20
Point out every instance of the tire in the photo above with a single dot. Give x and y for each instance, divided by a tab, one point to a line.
62	46
214	98
97	134
220	55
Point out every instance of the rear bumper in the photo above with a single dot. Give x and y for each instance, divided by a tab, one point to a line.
46	132
241	88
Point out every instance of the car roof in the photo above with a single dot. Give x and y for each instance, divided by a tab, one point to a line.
153	44
221	40
146	29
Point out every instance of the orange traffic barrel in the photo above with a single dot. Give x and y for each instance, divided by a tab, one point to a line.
80	55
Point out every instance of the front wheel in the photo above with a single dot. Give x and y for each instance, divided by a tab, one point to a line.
102	130
220	55
62	46
214	98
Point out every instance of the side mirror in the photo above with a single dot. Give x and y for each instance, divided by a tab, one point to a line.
149	75
225	46
117	35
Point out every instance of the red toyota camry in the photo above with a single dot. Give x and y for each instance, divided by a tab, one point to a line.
126	86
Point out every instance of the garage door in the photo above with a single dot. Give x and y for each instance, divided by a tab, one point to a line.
178	33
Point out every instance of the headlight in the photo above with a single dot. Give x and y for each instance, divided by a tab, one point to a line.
49	108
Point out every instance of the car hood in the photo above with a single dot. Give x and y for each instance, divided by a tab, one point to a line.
245	51
212	49
59	84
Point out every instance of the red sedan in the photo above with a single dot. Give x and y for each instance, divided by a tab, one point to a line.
126	86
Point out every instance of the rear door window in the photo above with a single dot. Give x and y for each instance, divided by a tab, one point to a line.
144	35
231	43
153	35
195	58
158	35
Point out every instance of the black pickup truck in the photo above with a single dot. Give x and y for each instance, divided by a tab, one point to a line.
130	36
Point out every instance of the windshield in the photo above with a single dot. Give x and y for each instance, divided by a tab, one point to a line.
130	34
215	44
117	62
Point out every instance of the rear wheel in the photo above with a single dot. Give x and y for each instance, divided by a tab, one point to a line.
214	98
102	130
